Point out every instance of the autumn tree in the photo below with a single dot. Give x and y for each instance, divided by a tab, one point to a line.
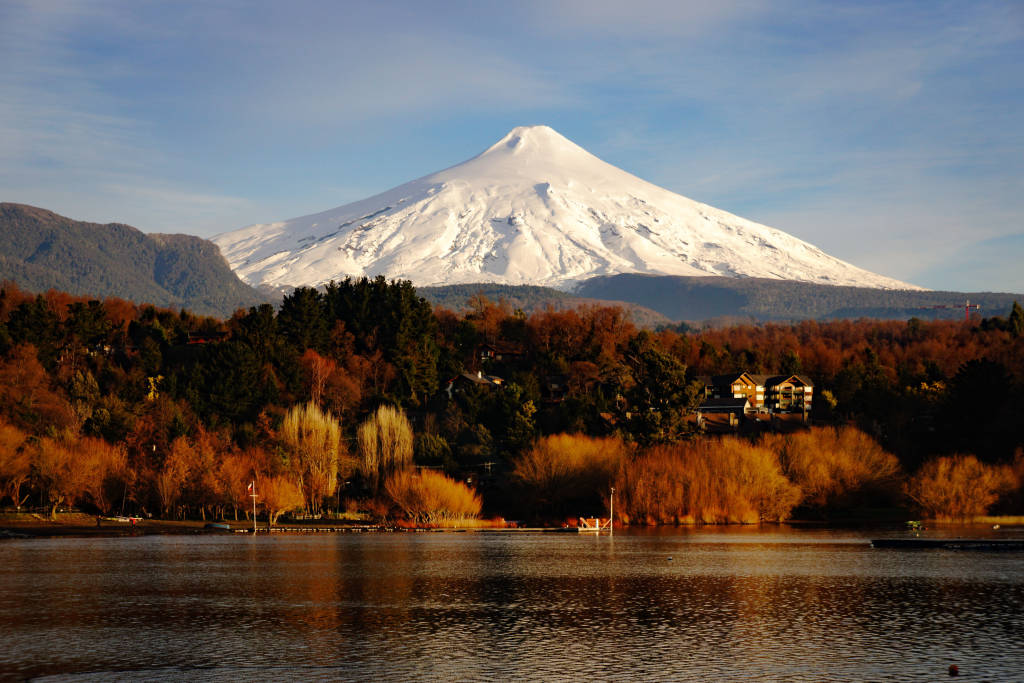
27	396
59	472
279	494
235	471
169	480
201	484
104	471
385	445
15	463
312	439
330	385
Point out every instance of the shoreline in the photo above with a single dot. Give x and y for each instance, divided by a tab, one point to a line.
80	525
33	525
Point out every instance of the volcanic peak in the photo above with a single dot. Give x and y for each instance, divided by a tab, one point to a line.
533	208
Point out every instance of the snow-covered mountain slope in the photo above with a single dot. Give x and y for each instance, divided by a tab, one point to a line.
534	209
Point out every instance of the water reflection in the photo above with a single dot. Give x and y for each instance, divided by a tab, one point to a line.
724	604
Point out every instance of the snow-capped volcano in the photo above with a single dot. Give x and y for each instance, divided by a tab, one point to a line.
534	209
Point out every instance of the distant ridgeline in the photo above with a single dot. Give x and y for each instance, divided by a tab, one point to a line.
530	298
40	250
703	298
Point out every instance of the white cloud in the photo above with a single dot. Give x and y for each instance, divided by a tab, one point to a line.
887	134
644	19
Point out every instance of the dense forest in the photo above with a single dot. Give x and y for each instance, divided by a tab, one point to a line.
770	300
532	299
42	250
362	396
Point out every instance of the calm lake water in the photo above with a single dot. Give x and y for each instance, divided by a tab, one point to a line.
721	604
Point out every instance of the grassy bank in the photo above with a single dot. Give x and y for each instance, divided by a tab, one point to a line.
80	524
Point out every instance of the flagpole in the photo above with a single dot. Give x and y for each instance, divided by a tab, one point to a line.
611	513
252	487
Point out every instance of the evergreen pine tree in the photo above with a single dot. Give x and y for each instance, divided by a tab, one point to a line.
1016	322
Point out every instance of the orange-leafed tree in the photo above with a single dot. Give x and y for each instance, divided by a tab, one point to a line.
279	494
26	395
201	485
60	472
169	480
235	472
15	463
105	473
331	386
317	369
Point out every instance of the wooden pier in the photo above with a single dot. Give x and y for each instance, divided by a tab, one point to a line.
594	525
950	543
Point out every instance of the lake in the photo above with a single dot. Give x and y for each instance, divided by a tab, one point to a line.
737	603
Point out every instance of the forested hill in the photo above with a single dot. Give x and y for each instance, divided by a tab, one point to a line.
702	298
529	299
40	250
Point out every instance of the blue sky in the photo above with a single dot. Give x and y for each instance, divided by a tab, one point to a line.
890	134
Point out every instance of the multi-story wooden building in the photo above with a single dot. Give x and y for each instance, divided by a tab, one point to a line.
765	393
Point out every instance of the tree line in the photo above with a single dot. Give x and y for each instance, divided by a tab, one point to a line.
354	396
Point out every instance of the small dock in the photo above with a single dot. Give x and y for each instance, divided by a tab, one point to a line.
950	543
594	525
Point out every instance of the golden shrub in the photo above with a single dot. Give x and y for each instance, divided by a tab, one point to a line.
432	498
569	469
710	481
832	464
958	487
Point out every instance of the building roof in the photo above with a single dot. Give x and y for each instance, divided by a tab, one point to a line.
763	380
504	348
724	404
772	380
479	378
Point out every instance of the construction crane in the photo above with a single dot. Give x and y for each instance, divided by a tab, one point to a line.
967	306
